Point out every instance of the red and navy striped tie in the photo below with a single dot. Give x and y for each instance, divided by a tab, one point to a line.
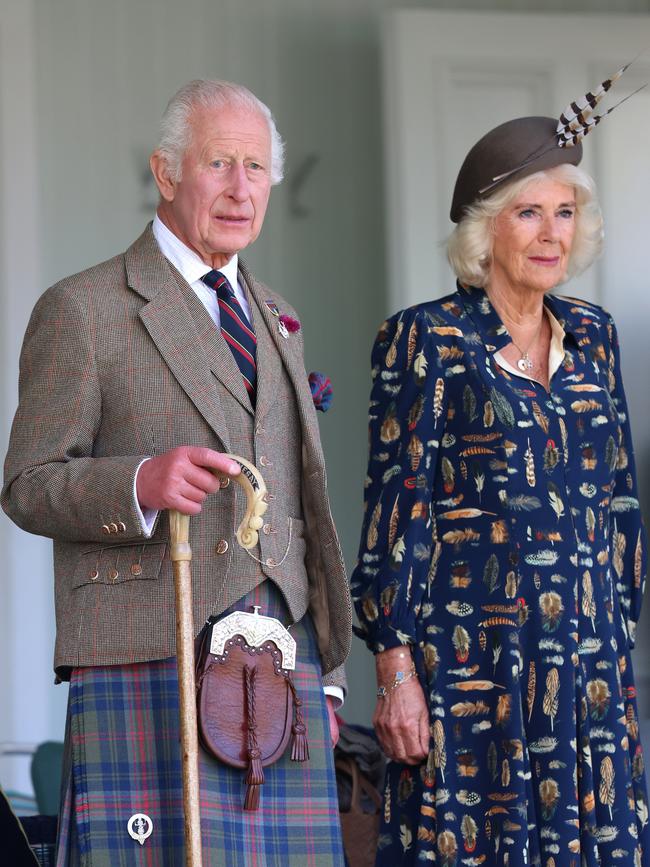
235	328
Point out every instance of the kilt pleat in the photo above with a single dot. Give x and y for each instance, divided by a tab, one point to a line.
123	757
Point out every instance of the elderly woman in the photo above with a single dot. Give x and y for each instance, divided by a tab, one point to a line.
502	559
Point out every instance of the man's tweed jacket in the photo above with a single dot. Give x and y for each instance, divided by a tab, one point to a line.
114	368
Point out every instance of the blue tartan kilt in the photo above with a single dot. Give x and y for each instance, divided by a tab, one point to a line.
122	756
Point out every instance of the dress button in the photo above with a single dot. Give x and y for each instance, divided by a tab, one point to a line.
121	527
270	562
106	530
224	482
221	547
113	574
112	527
94	575
136	569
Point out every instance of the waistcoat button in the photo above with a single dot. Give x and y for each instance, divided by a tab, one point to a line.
271	562
136	569
113	574
221	547
266	529
224	482
94	575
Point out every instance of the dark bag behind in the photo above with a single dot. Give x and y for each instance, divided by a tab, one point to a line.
360	829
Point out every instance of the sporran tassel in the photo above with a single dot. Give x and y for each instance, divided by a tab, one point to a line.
255	775
299	744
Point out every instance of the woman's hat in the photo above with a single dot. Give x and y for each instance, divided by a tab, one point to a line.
527	145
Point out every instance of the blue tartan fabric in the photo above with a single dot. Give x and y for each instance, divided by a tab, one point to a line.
123	757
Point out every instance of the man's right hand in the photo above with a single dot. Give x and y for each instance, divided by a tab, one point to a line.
182	478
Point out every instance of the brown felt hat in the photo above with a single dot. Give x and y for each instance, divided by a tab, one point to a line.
516	148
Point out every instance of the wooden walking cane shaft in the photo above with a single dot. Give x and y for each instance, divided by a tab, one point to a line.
181	555
179	529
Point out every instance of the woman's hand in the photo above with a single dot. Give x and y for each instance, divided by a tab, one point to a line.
401	717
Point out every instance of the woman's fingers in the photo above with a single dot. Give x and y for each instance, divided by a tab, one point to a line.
402	723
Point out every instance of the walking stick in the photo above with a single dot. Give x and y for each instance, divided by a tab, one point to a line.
181	554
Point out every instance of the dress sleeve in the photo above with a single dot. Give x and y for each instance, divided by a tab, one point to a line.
628	543
398	539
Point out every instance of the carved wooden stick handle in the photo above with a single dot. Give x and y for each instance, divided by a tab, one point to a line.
181	554
253	485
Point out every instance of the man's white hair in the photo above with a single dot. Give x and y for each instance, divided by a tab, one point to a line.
176	131
469	247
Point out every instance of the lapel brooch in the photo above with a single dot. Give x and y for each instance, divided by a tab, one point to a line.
321	390
286	324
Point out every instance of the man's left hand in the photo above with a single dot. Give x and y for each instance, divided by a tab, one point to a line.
334	726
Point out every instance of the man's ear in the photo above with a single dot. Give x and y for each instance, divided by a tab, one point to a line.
162	176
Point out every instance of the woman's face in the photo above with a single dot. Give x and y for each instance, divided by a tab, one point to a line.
533	237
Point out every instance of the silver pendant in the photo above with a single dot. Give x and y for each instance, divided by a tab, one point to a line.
525	363
282	328
139	827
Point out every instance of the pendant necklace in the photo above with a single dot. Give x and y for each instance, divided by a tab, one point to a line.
525	363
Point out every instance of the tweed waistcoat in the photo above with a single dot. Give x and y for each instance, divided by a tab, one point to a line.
264	436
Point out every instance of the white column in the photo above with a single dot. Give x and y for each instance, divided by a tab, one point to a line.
32	709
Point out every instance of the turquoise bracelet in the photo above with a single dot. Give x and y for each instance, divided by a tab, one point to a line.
399	678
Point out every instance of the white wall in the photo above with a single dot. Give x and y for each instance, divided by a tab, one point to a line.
82	86
34	711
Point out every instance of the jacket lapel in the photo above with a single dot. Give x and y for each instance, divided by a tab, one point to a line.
290	351
172	327
218	354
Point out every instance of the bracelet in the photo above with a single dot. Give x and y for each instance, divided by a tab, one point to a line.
399	678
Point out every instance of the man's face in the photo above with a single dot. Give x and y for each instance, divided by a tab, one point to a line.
218	206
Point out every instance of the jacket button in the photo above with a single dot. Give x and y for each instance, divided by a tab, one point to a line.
224	482
106	530
136	569
113	574
221	547
121	527
112	527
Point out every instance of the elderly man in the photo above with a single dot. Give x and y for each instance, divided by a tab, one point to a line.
138	376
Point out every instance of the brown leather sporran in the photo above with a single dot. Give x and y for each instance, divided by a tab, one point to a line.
248	708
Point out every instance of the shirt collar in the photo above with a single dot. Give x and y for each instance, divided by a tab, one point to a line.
188	264
565	320
572	315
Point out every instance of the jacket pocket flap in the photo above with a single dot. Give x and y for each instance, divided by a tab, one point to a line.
115	564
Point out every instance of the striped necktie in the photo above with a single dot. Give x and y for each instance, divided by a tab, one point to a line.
236	329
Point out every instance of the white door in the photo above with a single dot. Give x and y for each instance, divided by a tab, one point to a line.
448	79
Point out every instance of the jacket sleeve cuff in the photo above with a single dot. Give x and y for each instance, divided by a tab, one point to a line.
147	517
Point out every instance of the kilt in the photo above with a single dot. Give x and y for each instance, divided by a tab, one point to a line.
122	756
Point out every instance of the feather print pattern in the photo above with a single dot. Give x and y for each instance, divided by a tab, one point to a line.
502	541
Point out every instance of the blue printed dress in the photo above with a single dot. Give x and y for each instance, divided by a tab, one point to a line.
503	540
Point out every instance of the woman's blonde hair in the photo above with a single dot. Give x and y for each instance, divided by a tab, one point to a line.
469	247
